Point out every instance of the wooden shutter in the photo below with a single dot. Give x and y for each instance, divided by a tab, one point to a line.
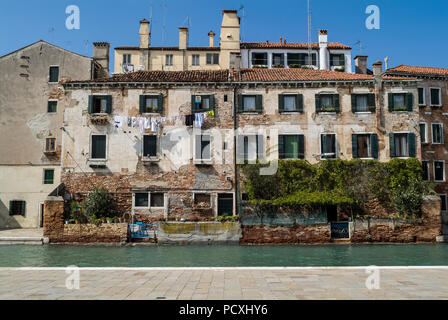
281	103
410	101
391	101
281	146
371	102
160	103
318	106
193	104
411	144
90	108
198	147
301	142
299	102
142	104
259	103
354	145
392	145
374	145
336	102
212	102
109	104
323	143
240	103
353	103
22	208
10	207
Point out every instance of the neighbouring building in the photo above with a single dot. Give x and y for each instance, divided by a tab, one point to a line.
32	104
323	55
167	143
433	110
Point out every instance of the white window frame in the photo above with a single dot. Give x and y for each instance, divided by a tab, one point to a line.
335	145
149	193
424	96
426	133
446	199
127	55
55	112
193	60
91	146
434	170
407	143
432	133
59	73
427	169
440	97
205	133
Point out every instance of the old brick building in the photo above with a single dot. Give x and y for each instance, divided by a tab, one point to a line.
167	144
433	111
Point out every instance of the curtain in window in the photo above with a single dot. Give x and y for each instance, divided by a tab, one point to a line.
290	103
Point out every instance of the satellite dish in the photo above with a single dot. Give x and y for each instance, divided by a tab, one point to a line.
127	67
140	67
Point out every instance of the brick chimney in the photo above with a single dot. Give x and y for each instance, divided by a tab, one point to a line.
377	69
211	37
183	38
101	57
361	64
144	34
323	50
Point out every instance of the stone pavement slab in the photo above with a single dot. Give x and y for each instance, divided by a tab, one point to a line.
226	283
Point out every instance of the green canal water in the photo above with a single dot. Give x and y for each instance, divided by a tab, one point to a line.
225	256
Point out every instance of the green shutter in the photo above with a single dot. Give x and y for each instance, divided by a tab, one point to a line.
160	103
371	102
142	104
193	104
301	142
259	103
411	144
281	103
22	208
374	145
354	145
109	104
323	143
391	101
299	103
240	103
10	207
410	101
353	103
336	102
318	106
392	145
212	102
90	108
281	146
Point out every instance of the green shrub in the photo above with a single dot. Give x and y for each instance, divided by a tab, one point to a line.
99	205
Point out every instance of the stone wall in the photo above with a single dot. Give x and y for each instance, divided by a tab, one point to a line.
425	229
199	233
59	232
285	234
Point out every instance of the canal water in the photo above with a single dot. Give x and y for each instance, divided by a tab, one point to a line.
225	256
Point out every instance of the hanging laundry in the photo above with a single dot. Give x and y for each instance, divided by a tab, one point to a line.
118	121
198	120
129	122
141	125
211	113
147	123
134	122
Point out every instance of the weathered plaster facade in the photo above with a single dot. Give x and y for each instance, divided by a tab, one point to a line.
25	90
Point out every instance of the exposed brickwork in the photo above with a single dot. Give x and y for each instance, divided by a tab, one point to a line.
285	235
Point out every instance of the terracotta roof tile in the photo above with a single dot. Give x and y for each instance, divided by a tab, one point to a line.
299	74
403	69
289	45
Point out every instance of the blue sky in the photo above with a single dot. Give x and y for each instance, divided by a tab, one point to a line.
411	32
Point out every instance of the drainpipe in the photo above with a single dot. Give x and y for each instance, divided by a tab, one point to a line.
235	126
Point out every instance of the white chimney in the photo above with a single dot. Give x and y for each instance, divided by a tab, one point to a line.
183	36
323	50
211	36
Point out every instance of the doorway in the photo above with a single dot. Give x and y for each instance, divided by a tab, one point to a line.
225	204
332	213
41	215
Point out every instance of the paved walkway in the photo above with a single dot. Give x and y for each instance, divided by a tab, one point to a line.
22	236
35	232
225	283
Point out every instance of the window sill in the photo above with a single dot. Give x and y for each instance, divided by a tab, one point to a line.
363	112
400	111
97	163
327	112
49	152
202	162
366	158
150	113
150	159
439	181
250	112
291	112
435	106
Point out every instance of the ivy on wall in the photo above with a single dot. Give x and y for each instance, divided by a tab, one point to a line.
396	184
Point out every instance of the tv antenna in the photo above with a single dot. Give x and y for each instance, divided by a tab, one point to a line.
243	16
309	32
150	22
359	43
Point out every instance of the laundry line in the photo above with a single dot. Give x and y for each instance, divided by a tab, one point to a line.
154	123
